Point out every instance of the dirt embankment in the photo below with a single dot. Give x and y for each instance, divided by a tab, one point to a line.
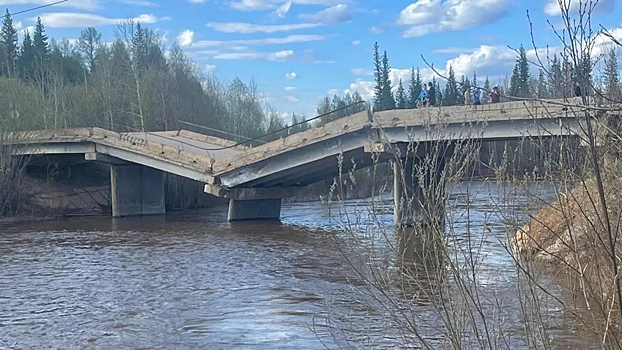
572	235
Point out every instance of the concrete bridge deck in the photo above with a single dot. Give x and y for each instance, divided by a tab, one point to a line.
276	169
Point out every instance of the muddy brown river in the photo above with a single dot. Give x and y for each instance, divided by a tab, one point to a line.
190	280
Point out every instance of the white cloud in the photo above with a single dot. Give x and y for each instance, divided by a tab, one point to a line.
291	76
323	62
196	1
29	29
429	16
209	67
376	30
246	28
88	5
261	5
185	38
259	42
291	98
79	20
356	42
139	3
289	88
280	55
277	56
361	71
282	10
363	87
335	14
552	8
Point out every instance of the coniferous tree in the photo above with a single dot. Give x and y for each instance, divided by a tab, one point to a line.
486	93
451	89
474	82
40	46
377	79
611	77
519	82
465	85
542	89
26	59
556	78
388	101
401	99
414	88
440	98
8	39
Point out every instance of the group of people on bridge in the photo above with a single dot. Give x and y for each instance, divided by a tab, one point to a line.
427	96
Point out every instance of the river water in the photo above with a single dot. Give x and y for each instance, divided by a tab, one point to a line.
191	280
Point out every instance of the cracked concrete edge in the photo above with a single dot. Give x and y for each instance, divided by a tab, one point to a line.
328	131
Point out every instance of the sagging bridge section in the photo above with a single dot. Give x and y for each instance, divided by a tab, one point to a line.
255	179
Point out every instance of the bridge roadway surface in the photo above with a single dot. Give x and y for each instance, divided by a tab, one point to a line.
306	157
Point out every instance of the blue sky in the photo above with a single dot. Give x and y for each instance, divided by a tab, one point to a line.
300	50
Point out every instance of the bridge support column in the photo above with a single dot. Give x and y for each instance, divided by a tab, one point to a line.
254	209
419	193
136	190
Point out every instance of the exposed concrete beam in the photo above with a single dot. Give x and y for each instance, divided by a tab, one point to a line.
104	158
296	157
52	148
250	193
159	164
491	131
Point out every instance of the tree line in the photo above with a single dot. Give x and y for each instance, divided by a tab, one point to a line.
555	79
127	85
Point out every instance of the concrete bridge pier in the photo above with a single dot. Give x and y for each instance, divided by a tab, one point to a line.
254	209
419	193
136	190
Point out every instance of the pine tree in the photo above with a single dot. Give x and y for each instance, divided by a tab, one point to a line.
414	89
377	79
474	82
465	85
388	102
486	93
401	99
8	38
611	77
555	79
26	59
451	89
40	46
440	98
542	89
519	82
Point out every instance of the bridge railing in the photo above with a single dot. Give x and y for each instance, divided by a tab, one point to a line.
283	132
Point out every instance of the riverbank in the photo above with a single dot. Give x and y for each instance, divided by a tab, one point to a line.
571	237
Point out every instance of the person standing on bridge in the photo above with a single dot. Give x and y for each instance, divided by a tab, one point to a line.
423	96
467	96
476	98
431	94
494	95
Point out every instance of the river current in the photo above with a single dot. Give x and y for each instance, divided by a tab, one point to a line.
190	280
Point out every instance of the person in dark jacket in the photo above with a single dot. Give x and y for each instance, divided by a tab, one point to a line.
431	94
577	89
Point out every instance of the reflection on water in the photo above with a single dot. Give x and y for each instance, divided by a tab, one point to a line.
190	280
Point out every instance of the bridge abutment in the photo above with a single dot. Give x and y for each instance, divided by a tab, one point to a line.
254	209
136	190
419	193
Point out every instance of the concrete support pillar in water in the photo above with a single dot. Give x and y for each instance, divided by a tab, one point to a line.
419	192
254	209
136	190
